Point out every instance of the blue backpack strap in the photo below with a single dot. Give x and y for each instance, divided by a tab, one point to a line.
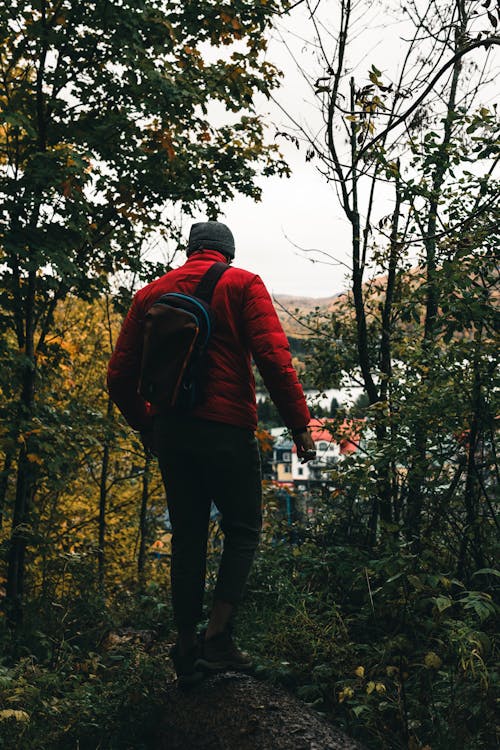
208	282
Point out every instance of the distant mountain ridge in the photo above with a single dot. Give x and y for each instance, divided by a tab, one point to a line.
287	305
293	301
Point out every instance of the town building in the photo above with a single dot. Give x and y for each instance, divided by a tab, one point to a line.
287	469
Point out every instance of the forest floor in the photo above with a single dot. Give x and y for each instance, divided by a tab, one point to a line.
233	711
237	712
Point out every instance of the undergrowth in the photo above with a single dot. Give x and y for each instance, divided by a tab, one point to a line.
385	643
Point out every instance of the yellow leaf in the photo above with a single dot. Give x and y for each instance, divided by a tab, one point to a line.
432	660
370	687
12	713
359	671
33	458
347	692
380	687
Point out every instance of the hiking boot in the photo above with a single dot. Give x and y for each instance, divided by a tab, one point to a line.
220	653
188	674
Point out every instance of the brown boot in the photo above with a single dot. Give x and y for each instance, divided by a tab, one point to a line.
220	653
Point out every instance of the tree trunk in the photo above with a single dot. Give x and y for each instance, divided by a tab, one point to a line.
472	536
25	329
143	526
19	538
420	463
103	496
381	503
4	481
25	477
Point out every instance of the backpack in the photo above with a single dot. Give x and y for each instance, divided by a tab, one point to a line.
177	332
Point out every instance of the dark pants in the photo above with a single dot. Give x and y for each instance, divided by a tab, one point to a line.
203	461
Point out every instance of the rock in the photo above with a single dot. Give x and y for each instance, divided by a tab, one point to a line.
236	712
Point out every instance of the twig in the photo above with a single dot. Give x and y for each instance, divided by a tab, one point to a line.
369	590
482	43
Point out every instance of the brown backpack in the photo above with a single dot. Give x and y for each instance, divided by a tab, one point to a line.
177	334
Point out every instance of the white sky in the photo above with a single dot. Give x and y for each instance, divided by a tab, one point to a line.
301	210
304	209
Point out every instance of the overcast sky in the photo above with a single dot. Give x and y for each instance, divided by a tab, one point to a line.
301	210
304	210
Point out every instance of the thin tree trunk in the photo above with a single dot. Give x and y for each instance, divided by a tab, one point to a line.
385	467
472	535
420	463
103	497
382	503
4	481
25	329
385	341
25	472
18	540
143	525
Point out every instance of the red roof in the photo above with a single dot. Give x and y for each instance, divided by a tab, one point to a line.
347	433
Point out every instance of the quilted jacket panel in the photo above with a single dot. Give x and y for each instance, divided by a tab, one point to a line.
247	326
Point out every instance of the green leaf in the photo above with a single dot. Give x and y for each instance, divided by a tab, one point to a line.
358	710
443	603
487	571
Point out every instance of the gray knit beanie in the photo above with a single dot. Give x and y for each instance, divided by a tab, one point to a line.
211	235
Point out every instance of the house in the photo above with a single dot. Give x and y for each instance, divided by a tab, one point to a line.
332	441
282	457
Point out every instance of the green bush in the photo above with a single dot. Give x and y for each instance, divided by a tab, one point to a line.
398	655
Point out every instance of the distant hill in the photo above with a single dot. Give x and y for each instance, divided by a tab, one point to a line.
374	291
287	304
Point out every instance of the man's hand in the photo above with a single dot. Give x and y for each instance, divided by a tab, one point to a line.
306	450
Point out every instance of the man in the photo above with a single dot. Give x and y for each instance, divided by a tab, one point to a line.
211	453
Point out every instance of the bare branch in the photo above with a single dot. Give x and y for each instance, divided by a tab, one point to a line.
464	51
336	262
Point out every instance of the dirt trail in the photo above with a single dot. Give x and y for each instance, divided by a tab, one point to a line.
237	712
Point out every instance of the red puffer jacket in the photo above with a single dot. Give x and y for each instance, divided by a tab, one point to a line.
247	325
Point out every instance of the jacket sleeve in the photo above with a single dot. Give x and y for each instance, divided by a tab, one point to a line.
271	352
124	370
